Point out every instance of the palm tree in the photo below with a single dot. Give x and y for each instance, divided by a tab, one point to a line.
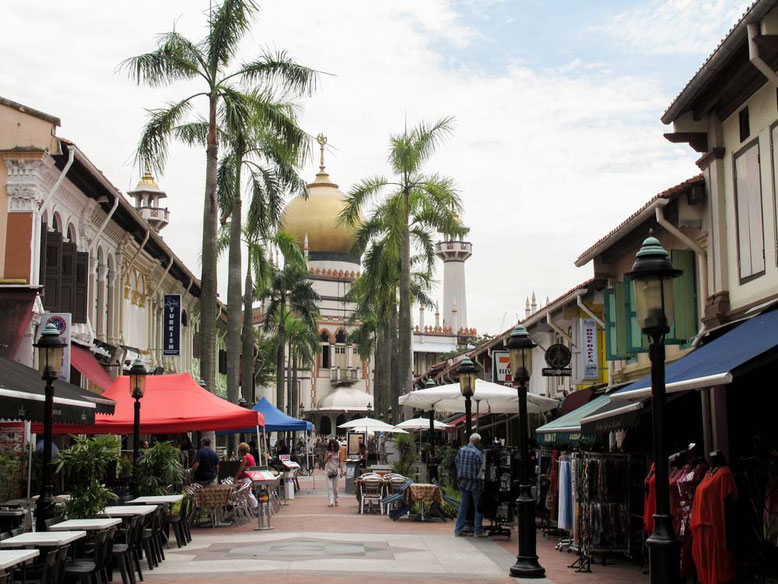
270	161
289	292
414	204
208	61
303	343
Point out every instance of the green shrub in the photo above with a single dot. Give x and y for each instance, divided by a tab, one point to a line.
406	448
10	475
160	467
86	463
87	500
448	467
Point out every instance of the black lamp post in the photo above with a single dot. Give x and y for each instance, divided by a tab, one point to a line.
430	383
50	348
467	375
652	275
137	375
520	346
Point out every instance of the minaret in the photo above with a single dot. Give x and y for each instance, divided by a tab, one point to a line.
421	318
147	195
437	316
534	304
305	246
527	311
454	253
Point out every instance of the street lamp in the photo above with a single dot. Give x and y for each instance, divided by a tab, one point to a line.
50	349
430	383
652	275
520	346
137	375
467	376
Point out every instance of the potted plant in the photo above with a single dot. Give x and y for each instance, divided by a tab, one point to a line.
159	468
85	465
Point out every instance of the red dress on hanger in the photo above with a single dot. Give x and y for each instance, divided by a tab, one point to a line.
649	504
714	562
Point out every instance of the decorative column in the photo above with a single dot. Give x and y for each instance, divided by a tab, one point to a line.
101	302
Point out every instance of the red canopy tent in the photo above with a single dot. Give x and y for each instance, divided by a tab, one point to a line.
171	404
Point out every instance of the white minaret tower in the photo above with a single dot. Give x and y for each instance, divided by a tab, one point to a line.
454	253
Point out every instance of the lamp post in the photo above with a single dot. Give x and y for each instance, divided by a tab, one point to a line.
467	375
520	346
137	375
652	275
430	383
50	348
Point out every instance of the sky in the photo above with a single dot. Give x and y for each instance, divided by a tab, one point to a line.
557	106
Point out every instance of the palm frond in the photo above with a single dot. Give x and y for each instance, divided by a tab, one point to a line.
230	20
358	197
175	58
278	69
152	149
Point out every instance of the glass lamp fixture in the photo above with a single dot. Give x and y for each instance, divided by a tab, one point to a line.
652	276
467	376
137	375
50	350
520	347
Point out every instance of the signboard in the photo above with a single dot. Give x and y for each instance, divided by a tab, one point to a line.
62	321
171	345
591	367
501	368
558	360
354	440
561	372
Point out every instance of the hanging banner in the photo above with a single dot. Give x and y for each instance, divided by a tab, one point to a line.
62	321
171	344
501	368
591	367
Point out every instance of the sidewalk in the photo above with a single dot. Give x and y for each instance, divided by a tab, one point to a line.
311	542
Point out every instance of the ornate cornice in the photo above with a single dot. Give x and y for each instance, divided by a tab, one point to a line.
29	179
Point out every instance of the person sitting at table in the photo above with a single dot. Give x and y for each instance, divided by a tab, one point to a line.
206	464
363	454
241	478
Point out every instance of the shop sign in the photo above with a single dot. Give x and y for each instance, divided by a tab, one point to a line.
62	321
172	325
591	367
501	368
558	360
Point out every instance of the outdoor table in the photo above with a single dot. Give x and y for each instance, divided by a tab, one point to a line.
263	482
423	493
43	539
97	524
10	518
156	500
11	558
127	510
214	500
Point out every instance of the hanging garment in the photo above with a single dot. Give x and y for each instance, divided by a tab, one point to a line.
687	485
771	509
714	562
565	516
553	481
649	503
675	495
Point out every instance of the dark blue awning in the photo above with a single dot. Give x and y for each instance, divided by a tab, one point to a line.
714	363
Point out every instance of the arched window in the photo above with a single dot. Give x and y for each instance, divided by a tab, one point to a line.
184	318
325	337
340	337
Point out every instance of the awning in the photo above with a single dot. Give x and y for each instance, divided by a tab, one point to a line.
567	428
22	397
714	363
615	415
83	360
575	400
275	420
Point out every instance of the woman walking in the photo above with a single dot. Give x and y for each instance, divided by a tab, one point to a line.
241	477
333	465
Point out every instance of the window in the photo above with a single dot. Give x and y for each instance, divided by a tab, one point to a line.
196	345
745	126
340	336
325	356
222	361
748	209
64	275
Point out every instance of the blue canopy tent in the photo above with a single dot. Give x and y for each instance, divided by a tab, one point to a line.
275	420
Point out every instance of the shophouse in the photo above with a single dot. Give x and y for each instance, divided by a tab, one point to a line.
72	244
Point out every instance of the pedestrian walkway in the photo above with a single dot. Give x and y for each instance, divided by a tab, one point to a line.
311	542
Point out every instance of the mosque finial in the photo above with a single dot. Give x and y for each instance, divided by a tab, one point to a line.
322	140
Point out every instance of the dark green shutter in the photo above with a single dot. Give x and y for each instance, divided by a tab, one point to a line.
615	318
686	319
637	342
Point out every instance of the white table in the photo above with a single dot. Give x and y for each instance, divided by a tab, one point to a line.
128	510
85	524
156	500
11	558
43	539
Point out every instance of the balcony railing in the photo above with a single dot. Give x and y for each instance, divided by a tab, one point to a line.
344	375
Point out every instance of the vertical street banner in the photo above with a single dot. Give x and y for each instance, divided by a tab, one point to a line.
62	321
171	343
591	366
501	368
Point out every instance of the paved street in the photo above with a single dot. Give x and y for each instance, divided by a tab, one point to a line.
309	539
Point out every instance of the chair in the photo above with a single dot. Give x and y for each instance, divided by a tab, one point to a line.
88	571
49	570
121	557
135	543
179	521
5	535
17	531
372	491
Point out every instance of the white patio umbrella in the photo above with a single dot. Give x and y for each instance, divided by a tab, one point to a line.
372	425
489	398
422	424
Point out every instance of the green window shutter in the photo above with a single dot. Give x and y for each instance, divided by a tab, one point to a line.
637	342
686	318
615	339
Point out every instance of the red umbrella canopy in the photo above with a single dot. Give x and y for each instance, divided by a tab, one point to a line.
171	404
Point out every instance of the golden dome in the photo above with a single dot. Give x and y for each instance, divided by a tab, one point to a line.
318	217
147	184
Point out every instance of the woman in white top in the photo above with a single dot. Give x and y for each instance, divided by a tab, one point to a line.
333	466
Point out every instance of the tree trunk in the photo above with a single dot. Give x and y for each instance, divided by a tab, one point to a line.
289	380
280	368
295	401
396	378
234	293
208	280
405	336
379	376
247	354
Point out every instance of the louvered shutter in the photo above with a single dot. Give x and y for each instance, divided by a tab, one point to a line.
81	287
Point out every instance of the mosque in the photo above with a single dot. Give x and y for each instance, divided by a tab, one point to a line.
340	384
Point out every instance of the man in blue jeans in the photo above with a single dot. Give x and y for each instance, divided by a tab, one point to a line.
469	462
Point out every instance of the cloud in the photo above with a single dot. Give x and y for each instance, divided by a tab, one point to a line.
547	159
664	27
